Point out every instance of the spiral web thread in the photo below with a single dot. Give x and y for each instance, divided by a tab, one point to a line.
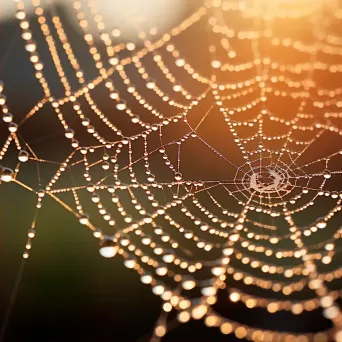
235	227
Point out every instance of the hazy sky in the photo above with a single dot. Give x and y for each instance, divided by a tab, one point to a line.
123	14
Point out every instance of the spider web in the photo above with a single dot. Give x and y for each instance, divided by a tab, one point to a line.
257	223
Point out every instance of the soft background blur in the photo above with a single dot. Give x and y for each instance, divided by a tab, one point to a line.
67	291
